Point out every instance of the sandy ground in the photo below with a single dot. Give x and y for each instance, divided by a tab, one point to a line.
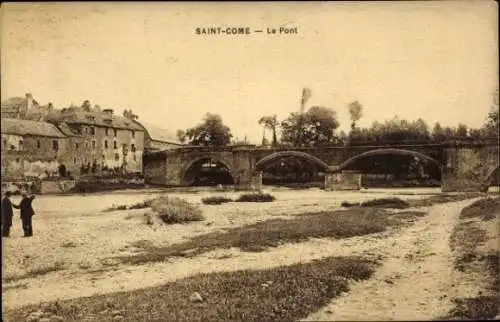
412	283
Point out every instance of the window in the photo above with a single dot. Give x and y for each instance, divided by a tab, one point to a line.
103	157
86	145
106	131
38	145
117	157
115	132
55	145
132	147
135	157
133	134
74	160
76	146
20	144
92	130
4	142
115	145
12	147
93	144
106	143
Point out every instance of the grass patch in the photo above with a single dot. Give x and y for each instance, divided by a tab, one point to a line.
441	199
36	272
397	203
173	210
272	233
215	200
286	293
394	203
466	241
255	197
485	209
139	205
476	308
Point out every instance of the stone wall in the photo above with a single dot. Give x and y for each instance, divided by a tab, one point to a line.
60	186
345	180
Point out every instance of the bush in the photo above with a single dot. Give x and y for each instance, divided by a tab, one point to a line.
256	197
386	203
141	205
348	204
176	210
216	200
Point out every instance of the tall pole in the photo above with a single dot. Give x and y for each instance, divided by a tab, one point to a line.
306	94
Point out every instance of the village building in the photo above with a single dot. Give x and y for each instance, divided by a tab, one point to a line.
103	140
18	107
31	148
157	139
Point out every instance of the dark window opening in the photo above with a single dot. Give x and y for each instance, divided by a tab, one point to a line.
132	147
105	144
115	132
115	144
133	134
38	145
106	131
55	145
117	157
93	144
92	131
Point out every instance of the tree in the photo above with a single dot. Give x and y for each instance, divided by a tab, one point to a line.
316	127
181	136
356	113
270	123
209	133
461	130
86	106
437	132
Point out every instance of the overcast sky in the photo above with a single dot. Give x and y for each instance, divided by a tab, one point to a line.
435	60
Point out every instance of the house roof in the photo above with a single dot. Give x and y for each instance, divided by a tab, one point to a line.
76	115
66	130
12	105
25	127
157	133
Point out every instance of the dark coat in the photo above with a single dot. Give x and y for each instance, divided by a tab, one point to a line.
26	208
7	212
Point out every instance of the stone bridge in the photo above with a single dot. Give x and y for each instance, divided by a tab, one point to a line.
466	165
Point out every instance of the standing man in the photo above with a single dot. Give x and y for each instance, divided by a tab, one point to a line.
7	214
27	213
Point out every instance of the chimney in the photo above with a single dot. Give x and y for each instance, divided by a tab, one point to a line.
29	96
50	107
108	111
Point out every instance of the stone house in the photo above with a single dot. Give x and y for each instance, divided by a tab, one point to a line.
103	139
31	148
18	107
157	139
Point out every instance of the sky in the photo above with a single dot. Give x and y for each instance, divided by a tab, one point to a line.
432	60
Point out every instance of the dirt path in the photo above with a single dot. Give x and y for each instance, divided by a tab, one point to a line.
415	294
416	278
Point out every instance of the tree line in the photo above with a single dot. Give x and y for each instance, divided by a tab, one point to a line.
318	126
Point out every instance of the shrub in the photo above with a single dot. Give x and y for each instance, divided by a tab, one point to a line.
386	203
256	197
215	200
141	205
348	204
176	210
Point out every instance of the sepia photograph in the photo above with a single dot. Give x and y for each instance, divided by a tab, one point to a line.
250	161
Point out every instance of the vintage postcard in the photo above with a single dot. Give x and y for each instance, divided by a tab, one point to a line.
250	161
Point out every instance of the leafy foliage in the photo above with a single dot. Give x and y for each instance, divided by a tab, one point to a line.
176	210
256	197
270	123
316	127
211	132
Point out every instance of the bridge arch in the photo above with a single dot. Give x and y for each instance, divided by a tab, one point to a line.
387	151
185	172
284	154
